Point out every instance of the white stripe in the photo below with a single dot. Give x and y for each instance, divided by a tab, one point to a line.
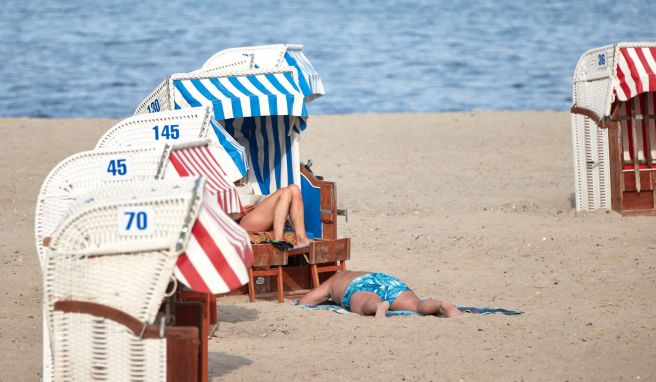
220	240
296	158
262	98
243	99
644	78
625	128
272	152
650	59
221	156
170	172
627	78
179	99
281	102
202	264
284	176
638	125
195	93
651	125
225	101
286	84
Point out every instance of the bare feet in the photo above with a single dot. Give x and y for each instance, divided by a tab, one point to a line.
302	242
450	310
381	309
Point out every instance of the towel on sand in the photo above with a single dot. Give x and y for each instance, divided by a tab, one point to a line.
466	309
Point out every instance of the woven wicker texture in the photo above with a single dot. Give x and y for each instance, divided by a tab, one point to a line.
269	56
146	129
90	260
88	348
82	172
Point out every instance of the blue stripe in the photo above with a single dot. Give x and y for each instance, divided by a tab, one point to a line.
277	158
273	100
288	150
218	106
305	88
290	78
185	94
266	177
236	105
276	84
229	148
176	106
248	128
252	98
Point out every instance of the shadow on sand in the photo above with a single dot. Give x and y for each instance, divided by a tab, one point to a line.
234	314
221	364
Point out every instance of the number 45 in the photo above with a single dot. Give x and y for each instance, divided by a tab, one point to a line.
117	167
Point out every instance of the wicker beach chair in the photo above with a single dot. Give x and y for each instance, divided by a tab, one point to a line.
105	280
177	127
118	249
614	128
85	171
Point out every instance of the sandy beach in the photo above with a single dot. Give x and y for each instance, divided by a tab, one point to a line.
474	208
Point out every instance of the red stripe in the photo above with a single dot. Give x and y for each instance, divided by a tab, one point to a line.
645	65
217	163
215	255
193	277
644	125
236	238
209	160
192	167
634	70
179	167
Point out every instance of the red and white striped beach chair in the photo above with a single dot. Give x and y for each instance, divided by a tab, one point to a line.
614	129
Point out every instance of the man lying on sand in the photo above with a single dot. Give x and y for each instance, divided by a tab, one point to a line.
373	294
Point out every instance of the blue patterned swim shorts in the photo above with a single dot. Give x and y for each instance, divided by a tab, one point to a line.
385	286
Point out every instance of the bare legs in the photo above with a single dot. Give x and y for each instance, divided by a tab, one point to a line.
272	212
408	300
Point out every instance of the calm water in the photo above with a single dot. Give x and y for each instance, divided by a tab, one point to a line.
101	58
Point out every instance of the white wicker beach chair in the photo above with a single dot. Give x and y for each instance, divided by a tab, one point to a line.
156	128
612	111
85	171
99	260
176	127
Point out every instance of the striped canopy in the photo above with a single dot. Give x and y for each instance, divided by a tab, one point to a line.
255	94
635	72
218	253
206	160
272	57
309	80
272	144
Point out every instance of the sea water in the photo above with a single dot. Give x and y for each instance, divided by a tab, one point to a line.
99	58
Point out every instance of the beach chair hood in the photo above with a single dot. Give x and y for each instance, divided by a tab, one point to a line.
614	72
274	56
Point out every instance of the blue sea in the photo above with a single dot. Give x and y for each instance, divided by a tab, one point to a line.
100	58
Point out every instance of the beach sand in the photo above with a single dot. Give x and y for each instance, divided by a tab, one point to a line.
474	208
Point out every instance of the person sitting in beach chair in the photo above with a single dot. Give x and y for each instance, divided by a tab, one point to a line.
263	213
373	294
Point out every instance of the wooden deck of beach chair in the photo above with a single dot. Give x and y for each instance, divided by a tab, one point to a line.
105	281
614	129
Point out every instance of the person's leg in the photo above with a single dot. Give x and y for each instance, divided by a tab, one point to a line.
271	212
369	304
408	300
297	215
